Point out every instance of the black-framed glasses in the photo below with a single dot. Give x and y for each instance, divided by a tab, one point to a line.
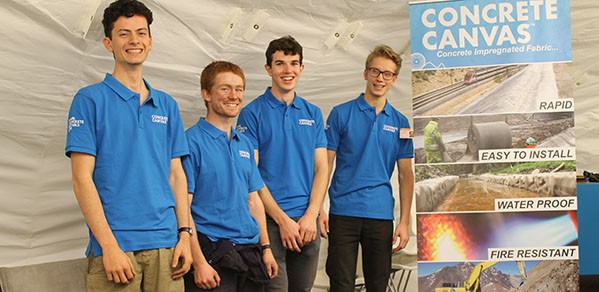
374	73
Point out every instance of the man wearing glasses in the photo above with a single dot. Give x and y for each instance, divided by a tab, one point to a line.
367	136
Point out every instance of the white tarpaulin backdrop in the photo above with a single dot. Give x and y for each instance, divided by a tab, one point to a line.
46	58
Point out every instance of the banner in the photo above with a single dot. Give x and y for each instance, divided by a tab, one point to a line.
494	145
489	33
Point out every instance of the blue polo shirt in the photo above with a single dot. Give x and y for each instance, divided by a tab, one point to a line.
286	137
133	146
368	147
220	174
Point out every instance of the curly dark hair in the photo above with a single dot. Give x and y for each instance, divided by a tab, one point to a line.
287	44
126	8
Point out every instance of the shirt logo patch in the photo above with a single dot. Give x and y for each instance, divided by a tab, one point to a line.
75	123
241	128
244	154
159	119
306	122
390	128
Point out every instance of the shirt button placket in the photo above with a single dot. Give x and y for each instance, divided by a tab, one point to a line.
287	121
140	120
374	121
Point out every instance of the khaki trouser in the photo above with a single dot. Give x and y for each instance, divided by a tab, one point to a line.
153	273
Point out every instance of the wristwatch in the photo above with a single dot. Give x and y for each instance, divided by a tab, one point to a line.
185	229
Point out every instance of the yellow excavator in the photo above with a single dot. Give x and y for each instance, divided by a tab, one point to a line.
522	268
472	284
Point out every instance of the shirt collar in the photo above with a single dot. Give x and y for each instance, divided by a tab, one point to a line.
125	93
363	105
274	102
235	134
214	132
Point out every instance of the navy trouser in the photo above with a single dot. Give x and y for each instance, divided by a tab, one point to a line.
230	281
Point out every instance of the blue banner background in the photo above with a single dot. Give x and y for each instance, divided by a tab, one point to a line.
544	37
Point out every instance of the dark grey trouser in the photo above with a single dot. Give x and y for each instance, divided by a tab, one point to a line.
297	271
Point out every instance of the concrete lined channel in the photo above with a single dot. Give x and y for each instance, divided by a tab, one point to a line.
477	193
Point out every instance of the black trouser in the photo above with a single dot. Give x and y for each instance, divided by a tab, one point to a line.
375	236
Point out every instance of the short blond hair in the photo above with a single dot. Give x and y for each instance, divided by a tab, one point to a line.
385	52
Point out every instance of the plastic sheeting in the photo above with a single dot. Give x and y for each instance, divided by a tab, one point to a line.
46	59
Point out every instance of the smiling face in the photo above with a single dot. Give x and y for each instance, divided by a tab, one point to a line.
225	97
131	41
378	87
285	71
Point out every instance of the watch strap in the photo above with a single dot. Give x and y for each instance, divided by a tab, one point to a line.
185	229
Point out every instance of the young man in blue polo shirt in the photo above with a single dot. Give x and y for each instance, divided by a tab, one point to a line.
125	140
287	133
223	181
367	136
